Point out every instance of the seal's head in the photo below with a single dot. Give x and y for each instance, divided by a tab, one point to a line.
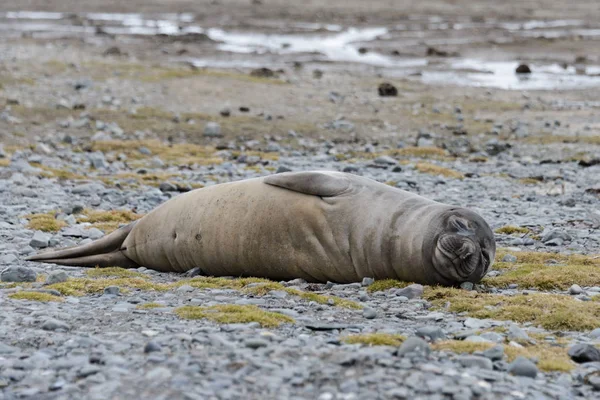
464	247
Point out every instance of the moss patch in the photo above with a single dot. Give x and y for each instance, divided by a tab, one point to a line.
385	284
46	222
551	357
108	221
35	296
114	272
260	287
550	311
83	286
147	306
532	270
229	313
4	162
433	169
511	229
375	339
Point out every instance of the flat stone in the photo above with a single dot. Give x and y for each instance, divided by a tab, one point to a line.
413	291
39	240
212	129
509	258
367	281
495	353
152	347
112	290
432	333
255	343
17	273
52	324
516	333
414	344
475	362
522	366
56	277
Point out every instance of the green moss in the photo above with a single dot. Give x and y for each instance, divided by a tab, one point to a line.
229	313
46	222
323	299
550	311
375	339
114	272
4	162
107	221
511	229
545	277
551	357
432	169
385	284
147	306
83	286
538	257
35	296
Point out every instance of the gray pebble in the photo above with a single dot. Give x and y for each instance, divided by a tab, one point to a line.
57	277
413	291
494	353
369	313
509	258
582	353
152	347
522	366
575	289
475	362
39	240
212	129
17	273
367	281
255	343
414	344
112	290
52	324
432	333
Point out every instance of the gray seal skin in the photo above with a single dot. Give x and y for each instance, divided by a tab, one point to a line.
319	226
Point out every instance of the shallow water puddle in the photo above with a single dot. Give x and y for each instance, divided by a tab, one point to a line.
274	43
501	75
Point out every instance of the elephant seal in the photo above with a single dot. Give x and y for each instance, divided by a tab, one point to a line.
320	226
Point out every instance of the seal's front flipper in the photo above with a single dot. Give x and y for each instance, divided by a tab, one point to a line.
324	184
104	252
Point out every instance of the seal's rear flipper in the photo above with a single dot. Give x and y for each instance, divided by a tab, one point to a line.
324	184
104	252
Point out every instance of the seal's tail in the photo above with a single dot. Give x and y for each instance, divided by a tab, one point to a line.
104	252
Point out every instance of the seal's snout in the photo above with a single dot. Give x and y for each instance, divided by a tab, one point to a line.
461	254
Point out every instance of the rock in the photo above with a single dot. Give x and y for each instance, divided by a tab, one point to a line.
582	353
225	112
212	129
414	344
283	168
555	234
40	240
413	291
432	333
56	277
112	290
152	347
475	362
494	353
52	324
263	73
509	258
387	90
467	286
385	160
523	69
494	147
516	333
2	152
97	160
595	334
167	187
369	313
255	343
17	273
575	289
522	366
367	281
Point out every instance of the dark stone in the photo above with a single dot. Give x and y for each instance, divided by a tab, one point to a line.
582	353
387	90
523	69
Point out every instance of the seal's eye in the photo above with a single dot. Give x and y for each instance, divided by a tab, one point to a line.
461	226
